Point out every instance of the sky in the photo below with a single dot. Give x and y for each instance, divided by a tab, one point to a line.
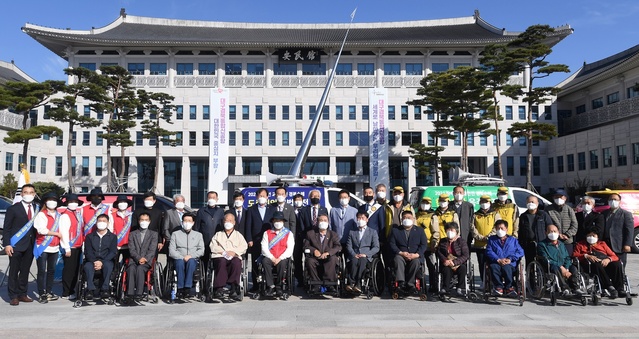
601	27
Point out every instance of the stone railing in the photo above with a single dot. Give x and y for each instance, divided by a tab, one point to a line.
235	81
600	116
150	81
192	81
399	81
11	121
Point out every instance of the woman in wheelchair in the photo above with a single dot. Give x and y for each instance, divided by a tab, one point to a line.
554	253
596	258
502	253
453	256
227	248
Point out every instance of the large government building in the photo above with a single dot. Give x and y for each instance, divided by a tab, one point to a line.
275	74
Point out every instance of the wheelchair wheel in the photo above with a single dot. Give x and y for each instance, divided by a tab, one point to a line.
378	274
595	299
536	283
290	278
120	284
77	304
208	284
169	282
521	281
157	282
245	265
629	301
553	298
200	281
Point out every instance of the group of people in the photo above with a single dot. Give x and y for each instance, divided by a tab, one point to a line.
279	234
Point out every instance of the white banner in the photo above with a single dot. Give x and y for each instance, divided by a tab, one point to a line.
378	134
219	144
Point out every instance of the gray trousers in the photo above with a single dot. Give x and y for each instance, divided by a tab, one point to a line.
406	271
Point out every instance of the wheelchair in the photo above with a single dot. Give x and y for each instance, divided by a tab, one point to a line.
82	286
288	282
519	282
541	281
210	277
397	292
373	279
152	283
468	292
170	292
595	289
325	286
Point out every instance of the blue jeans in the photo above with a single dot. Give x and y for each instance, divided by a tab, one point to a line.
499	272
185	272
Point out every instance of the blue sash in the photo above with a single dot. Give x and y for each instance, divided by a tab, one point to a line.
92	221
39	249
278	238
78	231
23	231
126	228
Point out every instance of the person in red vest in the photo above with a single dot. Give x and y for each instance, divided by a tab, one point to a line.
76	239
277	246
120	224
91	211
52	233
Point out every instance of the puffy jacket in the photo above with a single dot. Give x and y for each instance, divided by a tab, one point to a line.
511	250
564	218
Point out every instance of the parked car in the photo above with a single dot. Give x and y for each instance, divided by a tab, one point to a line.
4	204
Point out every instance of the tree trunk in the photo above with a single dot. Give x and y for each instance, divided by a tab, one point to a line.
529	162
157	165
25	145
498	136
437	163
69	164
109	163
464	159
122	169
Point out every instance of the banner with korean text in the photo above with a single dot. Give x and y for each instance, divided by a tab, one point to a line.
219	144
378	136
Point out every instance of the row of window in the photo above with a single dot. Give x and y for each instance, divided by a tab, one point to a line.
593	159
523	166
610	99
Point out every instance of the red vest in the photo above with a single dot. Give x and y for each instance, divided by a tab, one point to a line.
118	225
40	237
87	214
73	229
280	247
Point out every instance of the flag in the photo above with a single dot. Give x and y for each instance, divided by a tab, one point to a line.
22	180
353	14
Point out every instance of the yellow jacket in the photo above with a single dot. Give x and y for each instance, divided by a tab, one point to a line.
483	226
424	220
510	213
438	224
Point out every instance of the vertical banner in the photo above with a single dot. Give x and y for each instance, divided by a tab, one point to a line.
378	132
219	144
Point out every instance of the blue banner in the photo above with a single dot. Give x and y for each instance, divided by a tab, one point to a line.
250	195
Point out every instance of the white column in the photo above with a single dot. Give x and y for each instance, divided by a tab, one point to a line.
160	187
379	70
220	69
171	67
269	69
185	181
412	173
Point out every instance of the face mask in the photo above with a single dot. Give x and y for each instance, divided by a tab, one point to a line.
238	203
501	233
361	223
211	202
28	198
179	205
149	203
613	203
368	198
587	208
278	225
443	204
72	206
315	201
299	203
280	198
398	198
451	234
381	195
187	226
261	201
502	197
51	204
425	207
144	224
531	206
96	201
323	225
459	197
560	201
407	222
344	202
592	240
553	236
101	225
122	206
228	226
485	205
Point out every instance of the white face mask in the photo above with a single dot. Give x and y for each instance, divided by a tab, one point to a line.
211	202
72	206
361	223
144	224
298	203
28	198
187	226
179	205
122	206
592	240
281	198
101	225
398	197
443	204
425	207
485	205
613	203
501	233
261	200
51	204
148	203
407	223
381	195
451	234
323	225
560	201
238	203
502	197
531	206
587	208
553	236
344	202
228	226
459	197
278	225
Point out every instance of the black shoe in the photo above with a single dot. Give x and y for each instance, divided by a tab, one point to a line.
269	291
52	297
233	294
410	289
105	294
316	290
331	289
613	292
278	291
443	291
43	298
622	293
254	289
219	294
90	295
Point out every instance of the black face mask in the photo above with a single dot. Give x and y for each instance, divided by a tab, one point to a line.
96	201
315	201
368	198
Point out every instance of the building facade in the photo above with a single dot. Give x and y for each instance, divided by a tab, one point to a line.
273	99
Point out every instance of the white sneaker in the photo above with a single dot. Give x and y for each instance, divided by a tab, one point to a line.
72	297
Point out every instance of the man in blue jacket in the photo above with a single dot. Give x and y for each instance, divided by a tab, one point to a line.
100	249
502	253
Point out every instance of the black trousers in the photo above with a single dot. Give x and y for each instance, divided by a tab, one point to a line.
481	260
432	273
46	271
298	252
19	267
611	275
447	276
530	251
255	251
70	272
357	267
280	270
325	266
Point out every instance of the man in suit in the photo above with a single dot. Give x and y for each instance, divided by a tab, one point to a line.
239	212
100	249
209	221
18	239
157	218
308	220
362	244
588	219
344	217
407	245
173	217
287	209
323	246
465	212
142	247
618	228
258	219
